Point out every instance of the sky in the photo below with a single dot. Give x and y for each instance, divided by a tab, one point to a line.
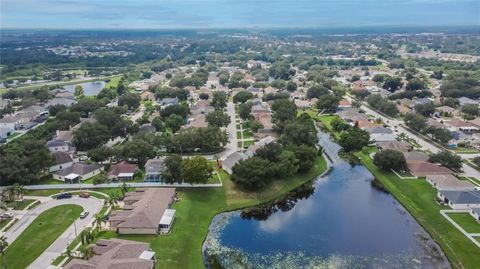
168	14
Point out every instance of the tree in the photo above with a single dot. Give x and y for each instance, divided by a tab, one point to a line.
244	110
415	121
158	124
255	125
283	110
305	155
171	172
447	159
470	109
354	139
138	149
415	85
425	109
392	83
53	110
86	105
388	159
181	110
174	122
79	93
98	221
90	135
281	70
270	151
242	97
3	247
339	125
328	103
291	86
451	102
299	132
287	165
218	119
316	91
439	134
100	154
129	100
219	100
379	77
196	170
253	173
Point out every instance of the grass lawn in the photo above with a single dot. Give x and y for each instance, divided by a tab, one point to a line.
4	222
465	150
182	247
39	235
418	197
466	221
20	205
239	135
248	143
113	82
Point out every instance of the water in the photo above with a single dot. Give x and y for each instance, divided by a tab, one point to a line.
89	88
345	223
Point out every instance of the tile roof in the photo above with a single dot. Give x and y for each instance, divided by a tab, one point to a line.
421	169
122	167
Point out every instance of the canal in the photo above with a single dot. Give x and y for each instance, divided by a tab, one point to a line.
342	223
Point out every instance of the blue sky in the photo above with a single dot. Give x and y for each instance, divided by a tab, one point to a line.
159	14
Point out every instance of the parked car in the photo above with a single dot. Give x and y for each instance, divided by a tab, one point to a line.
84	195
64	196
84	214
7	215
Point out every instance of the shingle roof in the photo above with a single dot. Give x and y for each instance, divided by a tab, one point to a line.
415	156
79	169
395	145
56	143
231	160
62	157
449	182
147	208
115	254
421	169
122	167
462	197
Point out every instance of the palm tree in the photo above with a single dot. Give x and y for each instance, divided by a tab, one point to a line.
124	188
3	247
98	221
68	253
19	190
87	253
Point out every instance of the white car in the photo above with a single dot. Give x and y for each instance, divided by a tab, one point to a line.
8	215
84	214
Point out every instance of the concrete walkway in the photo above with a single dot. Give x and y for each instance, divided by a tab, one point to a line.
26	217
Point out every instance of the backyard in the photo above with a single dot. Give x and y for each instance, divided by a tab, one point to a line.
465	221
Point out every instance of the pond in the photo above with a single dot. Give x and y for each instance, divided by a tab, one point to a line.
89	88
342	223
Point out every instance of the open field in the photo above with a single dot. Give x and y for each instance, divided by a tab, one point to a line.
418	197
39	235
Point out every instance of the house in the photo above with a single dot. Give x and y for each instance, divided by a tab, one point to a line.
415	156
231	160
202	107
122	171
352	115
344	104
449	182
475	122
423	169
62	160
77	172
401	146
154	169
382	137
68	102
5	131
197	121
165	102
475	213
58	145
445	110
259	144
461	126
422	101
467	101
146	128
147	95
378	130
116	253
142	211
460	199
302	104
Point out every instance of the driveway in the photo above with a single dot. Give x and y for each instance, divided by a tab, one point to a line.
26	217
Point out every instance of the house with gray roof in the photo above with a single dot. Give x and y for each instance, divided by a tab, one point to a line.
154	169
77	172
467	101
116	253
449	182
231	160
62	160
475	213
460	199
68	102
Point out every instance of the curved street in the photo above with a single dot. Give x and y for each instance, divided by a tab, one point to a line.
26	217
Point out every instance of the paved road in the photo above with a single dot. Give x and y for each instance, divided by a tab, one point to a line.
395	124
232	145
26	217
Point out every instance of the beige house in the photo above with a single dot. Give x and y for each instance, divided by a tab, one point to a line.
117	253
143	211
449	182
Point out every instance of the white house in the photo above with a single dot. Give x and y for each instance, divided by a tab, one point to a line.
77	172
460	199
62	160
475	213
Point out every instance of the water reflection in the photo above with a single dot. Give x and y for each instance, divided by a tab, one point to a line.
89	88
340	221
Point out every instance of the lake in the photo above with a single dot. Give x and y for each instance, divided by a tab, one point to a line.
89	88
343	223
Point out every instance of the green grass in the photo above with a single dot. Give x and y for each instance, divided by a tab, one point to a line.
466	221
465	150
9	225
182	247
239	134
20	205
418	197
39	235
113	82
4	222
247	134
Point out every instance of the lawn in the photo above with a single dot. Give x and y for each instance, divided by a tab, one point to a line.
20	205
465	150
418	197
113	83
39	235
182	247
466	221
